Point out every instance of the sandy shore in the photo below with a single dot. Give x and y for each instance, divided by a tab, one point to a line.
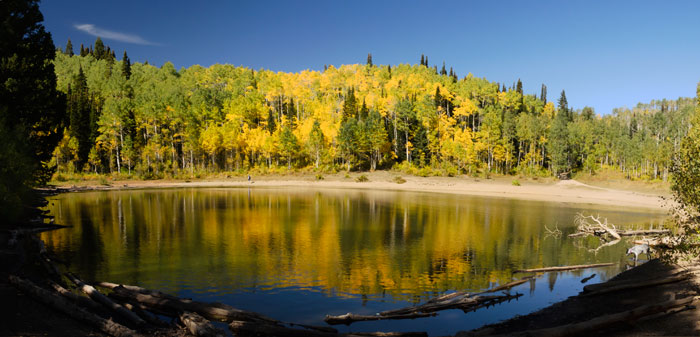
570	191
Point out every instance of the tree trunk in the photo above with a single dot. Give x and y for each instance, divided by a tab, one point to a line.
102	299
61	304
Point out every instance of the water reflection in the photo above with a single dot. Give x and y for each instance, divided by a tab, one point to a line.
298	255
396	245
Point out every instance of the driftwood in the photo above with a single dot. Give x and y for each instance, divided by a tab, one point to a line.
604	321
586	279
624	232
562	268
460	300
200	326
636	285
174	306
70	309
102	299
75	298
350	318
591	225
146	316
240	328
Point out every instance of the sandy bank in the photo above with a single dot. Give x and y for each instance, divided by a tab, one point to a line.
569	191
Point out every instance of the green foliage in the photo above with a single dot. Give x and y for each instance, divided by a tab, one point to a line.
515	182
362	179
163	121
399	180
31	109
319	176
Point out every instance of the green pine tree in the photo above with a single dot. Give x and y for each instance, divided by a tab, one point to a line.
69	48
126	66
99	52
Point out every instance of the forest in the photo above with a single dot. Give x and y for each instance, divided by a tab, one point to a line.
151	122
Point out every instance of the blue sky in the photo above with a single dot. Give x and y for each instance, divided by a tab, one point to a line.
605	54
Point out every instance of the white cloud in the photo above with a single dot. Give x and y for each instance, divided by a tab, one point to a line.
111	35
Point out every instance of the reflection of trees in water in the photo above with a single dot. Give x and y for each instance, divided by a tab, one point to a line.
370	243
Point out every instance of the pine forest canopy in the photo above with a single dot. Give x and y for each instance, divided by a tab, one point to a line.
160	121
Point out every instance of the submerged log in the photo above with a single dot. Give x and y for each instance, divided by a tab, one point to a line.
460	300
102	299
167	303
507	285
562	268
604	321
636	285
200	326
351	318
63	305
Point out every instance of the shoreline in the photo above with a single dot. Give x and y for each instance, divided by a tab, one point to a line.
566	191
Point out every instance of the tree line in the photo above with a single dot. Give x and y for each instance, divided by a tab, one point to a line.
159	121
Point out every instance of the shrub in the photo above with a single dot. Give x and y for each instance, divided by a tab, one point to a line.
319	176
362	179
399	180
515	182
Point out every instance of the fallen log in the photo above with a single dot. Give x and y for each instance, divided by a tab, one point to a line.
507	285
562	268
466	302
604	321
636	285
623	232
351	318
146	316
200	326
212	311
240	328
75	298
644	232
246	328
102	299
386	334
62	304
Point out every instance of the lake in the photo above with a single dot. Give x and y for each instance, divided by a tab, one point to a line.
298	254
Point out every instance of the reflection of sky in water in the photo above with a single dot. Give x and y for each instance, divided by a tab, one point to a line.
297	256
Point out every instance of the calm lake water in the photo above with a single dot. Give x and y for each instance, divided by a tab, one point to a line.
297	255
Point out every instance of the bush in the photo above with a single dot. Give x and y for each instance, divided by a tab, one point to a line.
515	182
104	181
362	179
399	180
319	176
347	176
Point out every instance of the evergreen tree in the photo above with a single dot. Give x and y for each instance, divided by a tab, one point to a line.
126	66
543	94
99	52
32	111
364	112
369	59
519	87
558	145
426	62
81	116
69	48
83	50
443	71
350	105
422	59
